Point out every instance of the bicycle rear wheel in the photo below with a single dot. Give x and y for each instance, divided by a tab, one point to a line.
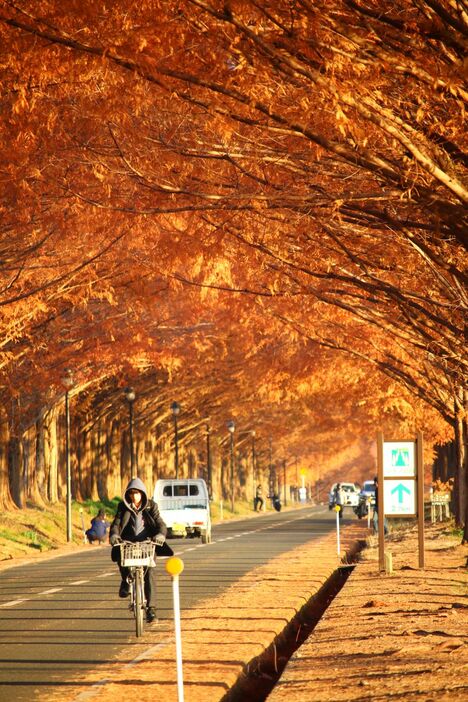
139	602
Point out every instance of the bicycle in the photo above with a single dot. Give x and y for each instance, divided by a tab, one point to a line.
137	557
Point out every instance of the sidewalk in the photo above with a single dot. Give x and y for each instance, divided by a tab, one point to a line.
390	637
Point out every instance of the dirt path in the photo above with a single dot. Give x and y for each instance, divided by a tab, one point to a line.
391	637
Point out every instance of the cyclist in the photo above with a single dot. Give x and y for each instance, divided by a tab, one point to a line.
138	519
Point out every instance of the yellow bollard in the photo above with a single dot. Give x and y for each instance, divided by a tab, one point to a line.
175	566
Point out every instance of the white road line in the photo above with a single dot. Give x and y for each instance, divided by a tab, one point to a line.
105	575
12	603
147	654
49	592
91	693
79	582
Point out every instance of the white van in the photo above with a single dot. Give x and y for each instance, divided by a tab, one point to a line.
184	506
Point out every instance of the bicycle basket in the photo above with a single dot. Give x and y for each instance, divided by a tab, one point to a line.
138	554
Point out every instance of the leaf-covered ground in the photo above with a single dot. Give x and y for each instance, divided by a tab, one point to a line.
391	637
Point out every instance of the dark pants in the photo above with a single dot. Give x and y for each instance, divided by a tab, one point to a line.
150	584
92	537
258	504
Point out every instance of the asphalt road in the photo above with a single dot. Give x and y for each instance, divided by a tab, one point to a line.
61	617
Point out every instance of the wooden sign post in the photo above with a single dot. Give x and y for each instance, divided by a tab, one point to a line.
400	472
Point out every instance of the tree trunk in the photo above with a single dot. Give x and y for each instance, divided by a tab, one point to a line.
464	434
93	462
6	501
51	467
124	459
101	461
75	467
15	471
114	486
30	470
460	474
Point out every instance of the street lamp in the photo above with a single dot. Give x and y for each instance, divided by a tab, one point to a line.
175	407
68	382
208	459
130	395
254	463
284	481
231	429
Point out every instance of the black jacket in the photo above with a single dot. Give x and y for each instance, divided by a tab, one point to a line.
125	520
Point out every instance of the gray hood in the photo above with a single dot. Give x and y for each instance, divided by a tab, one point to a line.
136	484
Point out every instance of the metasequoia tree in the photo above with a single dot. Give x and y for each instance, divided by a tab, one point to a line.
315	149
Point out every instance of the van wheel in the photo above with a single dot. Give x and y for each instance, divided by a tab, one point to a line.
206	537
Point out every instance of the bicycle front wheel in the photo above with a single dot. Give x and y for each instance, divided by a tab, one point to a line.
139	602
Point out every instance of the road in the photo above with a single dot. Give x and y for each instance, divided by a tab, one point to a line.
61	617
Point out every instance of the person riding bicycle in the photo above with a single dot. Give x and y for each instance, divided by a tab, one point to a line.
138	519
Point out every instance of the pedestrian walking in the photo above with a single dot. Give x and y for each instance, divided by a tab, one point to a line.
258	499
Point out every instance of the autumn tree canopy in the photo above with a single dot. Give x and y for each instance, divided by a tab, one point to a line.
265	202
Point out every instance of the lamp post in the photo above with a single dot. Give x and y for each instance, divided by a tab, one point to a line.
175	407
231	429
208	459
254	463
130	395
284	481
67	382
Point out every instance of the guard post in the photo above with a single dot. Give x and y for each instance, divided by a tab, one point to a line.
175	566
337	510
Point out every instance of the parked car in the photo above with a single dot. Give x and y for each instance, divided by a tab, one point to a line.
184	506
351	491
367	494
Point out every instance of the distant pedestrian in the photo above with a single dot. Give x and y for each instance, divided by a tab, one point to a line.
375	516
258	499
339	498
98	529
